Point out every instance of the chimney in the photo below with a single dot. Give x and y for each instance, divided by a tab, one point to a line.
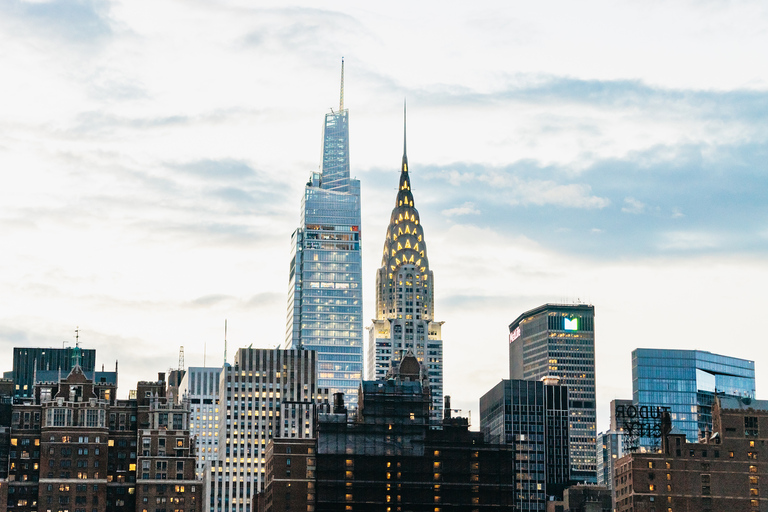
338	403
447	408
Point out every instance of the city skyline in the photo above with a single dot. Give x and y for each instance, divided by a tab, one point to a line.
153	163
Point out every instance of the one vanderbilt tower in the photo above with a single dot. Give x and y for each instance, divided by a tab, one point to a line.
325	295
405	298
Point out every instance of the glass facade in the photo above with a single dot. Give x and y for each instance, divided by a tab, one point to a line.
686	381
325	296
533	417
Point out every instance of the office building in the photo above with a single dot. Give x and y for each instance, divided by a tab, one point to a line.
723	472
75	446
558	340
405	308
27	361
390	458
612	445
254	395
686	381
532	417
200	387
325	295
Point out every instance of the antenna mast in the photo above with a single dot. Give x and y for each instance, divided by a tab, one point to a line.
225	342
341	100
181	358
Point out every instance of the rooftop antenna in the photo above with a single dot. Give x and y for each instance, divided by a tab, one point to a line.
225	342
205	351
77	336
181	358
341	99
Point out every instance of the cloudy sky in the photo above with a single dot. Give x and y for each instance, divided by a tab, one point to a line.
153	154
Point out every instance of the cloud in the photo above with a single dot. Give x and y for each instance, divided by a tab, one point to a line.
688	240
467	208
632	205
80	21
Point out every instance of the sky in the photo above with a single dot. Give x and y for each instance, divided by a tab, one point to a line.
153	156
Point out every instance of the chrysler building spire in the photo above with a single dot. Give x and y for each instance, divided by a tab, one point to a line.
404	299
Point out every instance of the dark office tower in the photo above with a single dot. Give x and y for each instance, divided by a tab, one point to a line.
325	294
686	381
389	458
559	340
28	360
405	307
531	416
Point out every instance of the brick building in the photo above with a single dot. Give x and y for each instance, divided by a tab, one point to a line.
73	446
721	473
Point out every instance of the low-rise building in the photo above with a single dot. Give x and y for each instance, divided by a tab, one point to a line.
722	473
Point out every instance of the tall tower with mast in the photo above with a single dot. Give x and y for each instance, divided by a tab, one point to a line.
325	285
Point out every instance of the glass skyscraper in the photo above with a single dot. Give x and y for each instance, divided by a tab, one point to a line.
325	295
558	340
686	381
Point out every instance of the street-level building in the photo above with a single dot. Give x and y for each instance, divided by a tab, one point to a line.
722	473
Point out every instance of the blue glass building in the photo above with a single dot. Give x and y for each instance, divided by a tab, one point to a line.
686	381
325	295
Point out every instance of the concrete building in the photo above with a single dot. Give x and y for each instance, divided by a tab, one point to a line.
200	386
721	473
686	381
559	340
532	417
583	498
257	394
325	293
405	308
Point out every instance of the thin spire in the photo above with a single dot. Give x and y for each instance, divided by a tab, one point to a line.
405	152
341	99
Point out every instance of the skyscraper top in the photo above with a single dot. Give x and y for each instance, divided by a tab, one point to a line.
405	236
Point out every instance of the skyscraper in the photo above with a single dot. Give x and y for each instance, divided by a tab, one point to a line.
532	417
686	381
325	295
559	340
405	298
265	394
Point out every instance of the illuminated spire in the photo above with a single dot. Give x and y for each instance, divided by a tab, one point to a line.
341	99
404	167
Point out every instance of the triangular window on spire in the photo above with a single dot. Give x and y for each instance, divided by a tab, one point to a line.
399	231
411	260
418	262
401	217
416	247
399	247
420	239
422	253
393	252
407	242
407	229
